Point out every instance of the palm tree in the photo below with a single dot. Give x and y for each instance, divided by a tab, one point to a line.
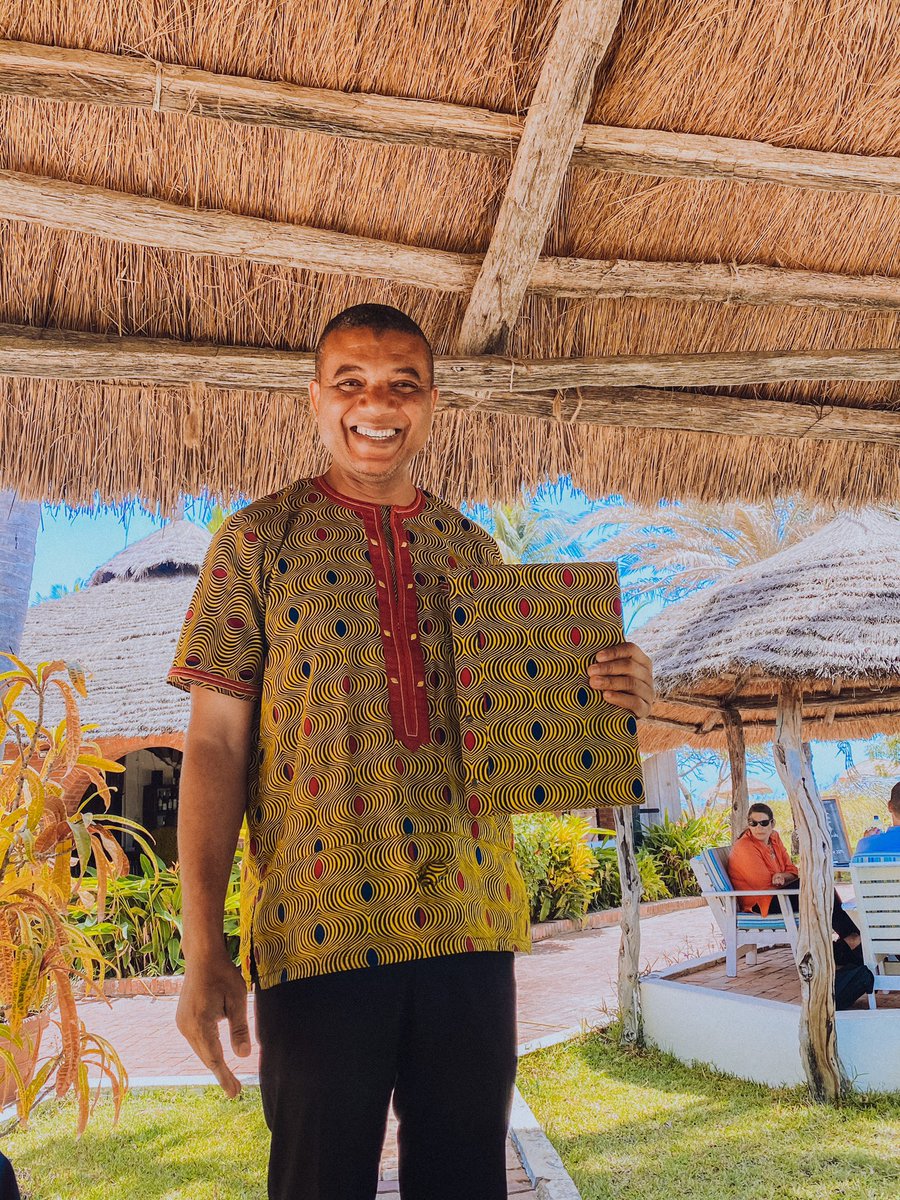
527	536
549	525
19	521
670	551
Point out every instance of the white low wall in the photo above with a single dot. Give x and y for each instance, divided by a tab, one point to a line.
759	1039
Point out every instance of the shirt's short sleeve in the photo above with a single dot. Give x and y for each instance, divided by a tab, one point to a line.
222	642
488	548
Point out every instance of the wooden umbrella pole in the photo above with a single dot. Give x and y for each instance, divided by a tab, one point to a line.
815	959
737	757
632	1025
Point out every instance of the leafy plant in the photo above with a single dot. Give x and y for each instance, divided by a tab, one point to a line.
45	853
142	929
557	865
674	843
609	893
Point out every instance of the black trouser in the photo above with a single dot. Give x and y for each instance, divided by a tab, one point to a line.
438	1034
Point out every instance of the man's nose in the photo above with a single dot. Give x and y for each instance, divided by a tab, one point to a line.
376	395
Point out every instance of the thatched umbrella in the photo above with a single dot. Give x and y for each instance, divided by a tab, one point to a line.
122	629
186	199
804	644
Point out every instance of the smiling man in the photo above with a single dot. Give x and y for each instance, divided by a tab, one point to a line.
318	655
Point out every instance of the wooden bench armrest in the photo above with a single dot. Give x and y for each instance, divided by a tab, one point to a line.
757	892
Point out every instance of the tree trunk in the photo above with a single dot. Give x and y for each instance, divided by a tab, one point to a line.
815	958
737	757
630	946
19	522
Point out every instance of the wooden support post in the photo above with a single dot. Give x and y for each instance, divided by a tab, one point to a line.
815	958
632	1026
737	757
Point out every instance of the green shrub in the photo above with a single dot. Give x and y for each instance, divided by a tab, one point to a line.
141	930
557	865
609	893
674	843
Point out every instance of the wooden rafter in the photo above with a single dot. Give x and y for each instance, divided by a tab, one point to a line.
853	698
583	32
142	220
490	384
695	412
54	73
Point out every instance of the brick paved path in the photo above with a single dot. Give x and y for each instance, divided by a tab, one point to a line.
565	982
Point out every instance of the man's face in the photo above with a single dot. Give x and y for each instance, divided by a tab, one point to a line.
374	402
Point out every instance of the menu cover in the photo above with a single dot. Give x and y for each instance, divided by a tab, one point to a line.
535	735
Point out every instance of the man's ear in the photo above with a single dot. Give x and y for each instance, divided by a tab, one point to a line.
314	396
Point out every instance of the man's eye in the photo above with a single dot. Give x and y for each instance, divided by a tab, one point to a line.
349	383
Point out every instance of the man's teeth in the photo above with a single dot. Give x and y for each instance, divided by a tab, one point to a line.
378	434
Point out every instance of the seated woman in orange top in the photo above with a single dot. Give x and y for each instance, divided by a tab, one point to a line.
759	859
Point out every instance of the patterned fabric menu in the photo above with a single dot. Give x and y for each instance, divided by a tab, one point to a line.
535	735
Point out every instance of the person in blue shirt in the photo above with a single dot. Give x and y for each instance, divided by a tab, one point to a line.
886	844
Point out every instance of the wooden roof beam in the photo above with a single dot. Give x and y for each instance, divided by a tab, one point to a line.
55	73
853	698
695	412
490	384
142	220
583	32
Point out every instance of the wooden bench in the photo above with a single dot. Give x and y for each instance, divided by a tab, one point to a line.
742	931
876	882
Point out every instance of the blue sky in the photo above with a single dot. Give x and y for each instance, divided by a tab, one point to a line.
70	545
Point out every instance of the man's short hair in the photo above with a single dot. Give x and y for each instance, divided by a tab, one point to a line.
894	802
379	318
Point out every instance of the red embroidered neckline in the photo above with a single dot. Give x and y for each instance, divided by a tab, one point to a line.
362	507
398	612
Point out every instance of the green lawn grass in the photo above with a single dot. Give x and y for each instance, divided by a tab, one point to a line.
641	1126
635	1126
181	1144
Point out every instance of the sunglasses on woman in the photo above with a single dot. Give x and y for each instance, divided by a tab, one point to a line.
762	821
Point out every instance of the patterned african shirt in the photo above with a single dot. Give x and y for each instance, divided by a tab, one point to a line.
333	616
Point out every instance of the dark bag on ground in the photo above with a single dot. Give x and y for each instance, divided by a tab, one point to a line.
850	983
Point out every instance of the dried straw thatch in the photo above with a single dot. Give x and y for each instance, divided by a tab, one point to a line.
809	74
176	549
825	612
122	628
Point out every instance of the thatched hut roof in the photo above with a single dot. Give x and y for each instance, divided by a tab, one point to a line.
754	140
176	549
122	629
826	612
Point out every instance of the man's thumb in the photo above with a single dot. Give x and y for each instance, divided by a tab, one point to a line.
239	1030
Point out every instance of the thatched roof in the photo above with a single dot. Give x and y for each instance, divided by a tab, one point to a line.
122	629
826	612
813	76
176	549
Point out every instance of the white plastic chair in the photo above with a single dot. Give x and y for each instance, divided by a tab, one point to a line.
742	931
876	882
